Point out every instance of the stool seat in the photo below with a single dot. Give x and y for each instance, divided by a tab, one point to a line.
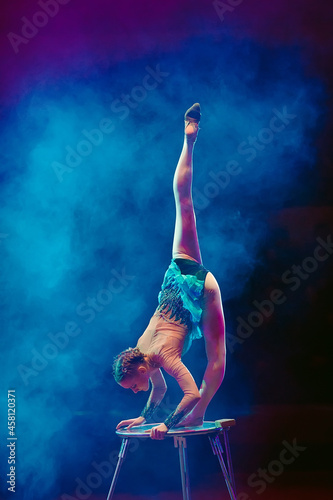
142	431
213	429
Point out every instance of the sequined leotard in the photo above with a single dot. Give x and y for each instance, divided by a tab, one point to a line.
172	328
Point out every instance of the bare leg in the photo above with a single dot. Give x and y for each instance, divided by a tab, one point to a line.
186	245
185	242
213	326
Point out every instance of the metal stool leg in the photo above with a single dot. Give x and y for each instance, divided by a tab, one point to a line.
217	450
121	458
180	443
229	461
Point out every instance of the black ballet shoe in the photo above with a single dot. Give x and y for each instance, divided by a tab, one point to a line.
193	113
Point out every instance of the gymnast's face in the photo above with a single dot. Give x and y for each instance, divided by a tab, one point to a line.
138	382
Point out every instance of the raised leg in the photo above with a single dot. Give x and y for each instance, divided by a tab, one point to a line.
185	242
186	245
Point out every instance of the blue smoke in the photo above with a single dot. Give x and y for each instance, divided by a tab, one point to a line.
88	210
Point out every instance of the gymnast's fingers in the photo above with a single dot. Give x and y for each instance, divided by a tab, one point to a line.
156	434
153	433
123	423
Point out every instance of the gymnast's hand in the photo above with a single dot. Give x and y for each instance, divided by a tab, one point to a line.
158	432
131	422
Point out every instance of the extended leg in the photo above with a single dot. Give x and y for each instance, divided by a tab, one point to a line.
185	242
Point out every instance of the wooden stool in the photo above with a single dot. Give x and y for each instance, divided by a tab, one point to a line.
212	429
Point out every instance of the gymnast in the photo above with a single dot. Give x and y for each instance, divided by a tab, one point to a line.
189	304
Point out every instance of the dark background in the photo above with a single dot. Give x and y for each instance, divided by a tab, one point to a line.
76	215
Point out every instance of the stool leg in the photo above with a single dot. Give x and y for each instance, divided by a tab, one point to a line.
229	461
121	458
180	443
217	450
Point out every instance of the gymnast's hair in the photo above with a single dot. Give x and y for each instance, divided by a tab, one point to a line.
128	361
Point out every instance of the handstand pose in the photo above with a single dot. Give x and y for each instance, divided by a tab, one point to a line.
189	302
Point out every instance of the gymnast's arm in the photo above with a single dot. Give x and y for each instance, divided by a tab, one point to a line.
177	369
159	388
174	367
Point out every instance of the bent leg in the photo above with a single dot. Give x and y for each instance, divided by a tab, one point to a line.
213	327
185	242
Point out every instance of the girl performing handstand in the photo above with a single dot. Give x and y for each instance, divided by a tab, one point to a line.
189	304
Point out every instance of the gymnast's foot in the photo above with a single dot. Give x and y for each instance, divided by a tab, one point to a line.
191	421
192	118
